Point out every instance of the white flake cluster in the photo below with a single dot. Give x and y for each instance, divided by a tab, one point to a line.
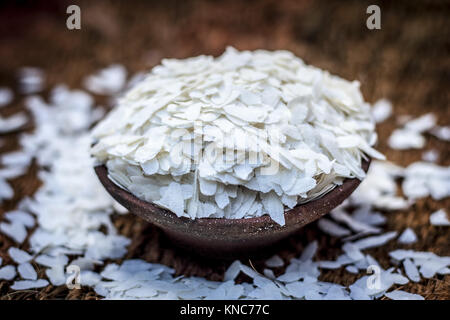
242	135
71	207
107	81
411	136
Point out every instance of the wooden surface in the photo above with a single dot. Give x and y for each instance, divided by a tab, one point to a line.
406	61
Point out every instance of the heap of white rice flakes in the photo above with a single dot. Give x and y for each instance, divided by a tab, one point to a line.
238	136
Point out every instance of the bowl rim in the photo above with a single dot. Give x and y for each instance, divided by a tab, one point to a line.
331	198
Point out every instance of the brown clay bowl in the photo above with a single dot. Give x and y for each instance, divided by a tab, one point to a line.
229	238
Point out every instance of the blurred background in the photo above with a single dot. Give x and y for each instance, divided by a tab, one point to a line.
406	61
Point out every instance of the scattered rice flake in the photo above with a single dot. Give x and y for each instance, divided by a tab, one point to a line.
6	191
439	218
430	155
27	271
6	96
233	270
330	264
332	228
422	123
403	139
56	275
17	158
19	256
381	110
18	216
429	268
402	254
375	241
352	269
15	231
407	237
352	251
411	270
424	179
89	278
12	172
29	284
51	262
7	272
107	81
31	80
403	295
442	133
12	123
309	251
358	226
274	262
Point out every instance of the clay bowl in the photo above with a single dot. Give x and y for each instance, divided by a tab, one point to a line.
229	238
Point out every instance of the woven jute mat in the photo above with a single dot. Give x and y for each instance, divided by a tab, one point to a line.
407	61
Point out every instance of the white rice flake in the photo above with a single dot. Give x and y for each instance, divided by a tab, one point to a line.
29	284
31	80
355	225
375	241
7	273
332	228
403	139
424	179
442	133
403	295
6	191
12	123
275	262
430	155
15	231
20	217
379	188
352	269
19	256
56	274
107	81
89	278
382	110
27	271
6	96
411	270
428	263
232	271
422	123
352	251
439	218
407	237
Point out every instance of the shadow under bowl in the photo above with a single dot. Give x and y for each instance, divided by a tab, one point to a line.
222	238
